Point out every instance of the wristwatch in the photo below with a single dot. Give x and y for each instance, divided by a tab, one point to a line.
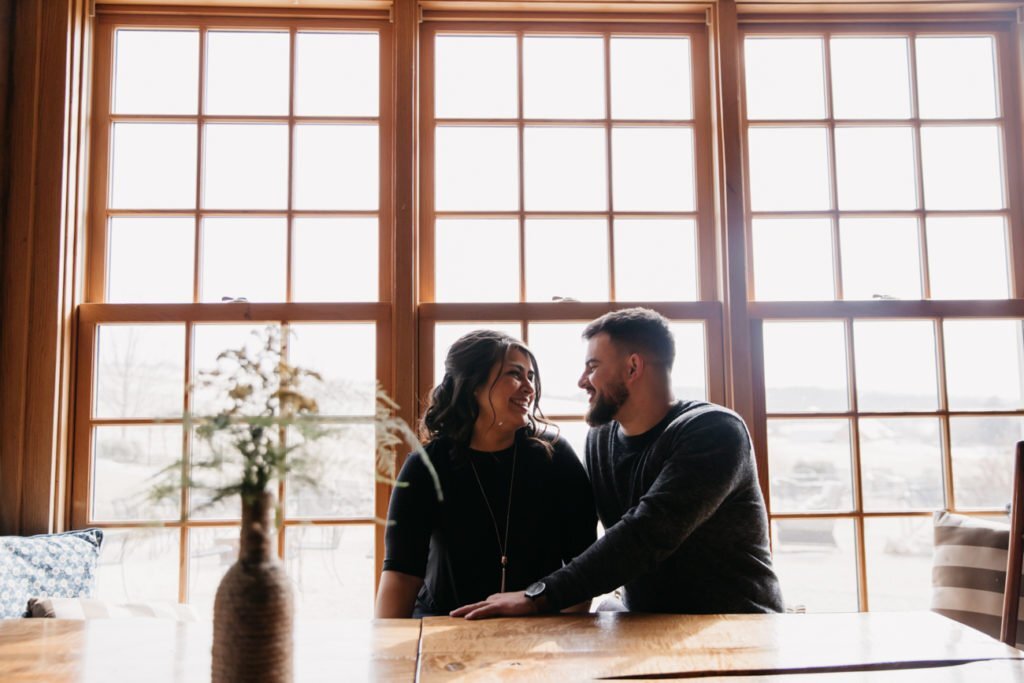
535	590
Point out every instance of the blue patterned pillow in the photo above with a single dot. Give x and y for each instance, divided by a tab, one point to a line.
49	565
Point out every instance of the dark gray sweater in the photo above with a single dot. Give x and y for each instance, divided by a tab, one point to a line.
686	526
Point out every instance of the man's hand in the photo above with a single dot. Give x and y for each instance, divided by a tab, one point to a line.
501	605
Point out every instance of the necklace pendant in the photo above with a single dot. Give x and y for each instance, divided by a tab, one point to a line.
502	576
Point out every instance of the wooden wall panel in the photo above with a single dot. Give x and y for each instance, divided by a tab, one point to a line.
39	256
6	36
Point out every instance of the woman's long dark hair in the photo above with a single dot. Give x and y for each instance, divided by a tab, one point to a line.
453	409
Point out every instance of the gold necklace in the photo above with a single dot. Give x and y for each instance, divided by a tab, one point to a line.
502	543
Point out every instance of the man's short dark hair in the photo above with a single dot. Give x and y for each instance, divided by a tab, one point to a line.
637	330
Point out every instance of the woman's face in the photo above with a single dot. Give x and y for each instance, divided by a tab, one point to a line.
506	398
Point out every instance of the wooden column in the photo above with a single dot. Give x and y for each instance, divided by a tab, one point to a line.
406	17
739	375
40	255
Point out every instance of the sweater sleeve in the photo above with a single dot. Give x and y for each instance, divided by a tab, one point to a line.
411	515
708	456
577	516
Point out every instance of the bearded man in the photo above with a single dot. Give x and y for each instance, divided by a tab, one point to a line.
676	489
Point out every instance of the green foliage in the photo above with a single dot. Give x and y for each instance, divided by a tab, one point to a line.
266	421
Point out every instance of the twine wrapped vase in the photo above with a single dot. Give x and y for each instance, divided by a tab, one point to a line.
253	610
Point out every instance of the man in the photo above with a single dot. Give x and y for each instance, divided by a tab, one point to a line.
676	489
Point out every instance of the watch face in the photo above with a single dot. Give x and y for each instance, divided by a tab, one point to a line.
535	589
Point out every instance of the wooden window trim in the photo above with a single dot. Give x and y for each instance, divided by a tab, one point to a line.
381	313
935	311
38	359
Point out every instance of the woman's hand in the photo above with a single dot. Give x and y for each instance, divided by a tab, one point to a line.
396	596
502	605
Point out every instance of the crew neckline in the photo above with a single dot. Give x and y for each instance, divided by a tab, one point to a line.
639	441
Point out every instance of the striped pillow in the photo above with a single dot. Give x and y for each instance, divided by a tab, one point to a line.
969	572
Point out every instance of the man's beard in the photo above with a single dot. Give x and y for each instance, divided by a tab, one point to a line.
606	405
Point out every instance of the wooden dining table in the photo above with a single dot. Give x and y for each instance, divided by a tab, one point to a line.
874	647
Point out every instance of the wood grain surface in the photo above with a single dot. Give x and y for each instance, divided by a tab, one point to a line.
158	650
569	648
798	648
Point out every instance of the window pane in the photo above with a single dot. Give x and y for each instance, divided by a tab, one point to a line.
445	334
334	259
901	464
983	364
652	169
881	258
336	167
126	463
956	77
138	565
476	260
563	77
668	273
150	260
805	367
689	372
245	166
785	78
816	563
809	462
211	552
477	169
475	77
575	432
550	275
337	74
345	356
140	371
793	259
962	167
651	78
243	258
895	361
332	570
156	72
875	168
565	169
870	78
789	169
153	166
899	562
560	351
982	450
967	257
343	464
209	342
246	73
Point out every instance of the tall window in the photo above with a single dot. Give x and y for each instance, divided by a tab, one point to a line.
242	172
237	182
877	174
562	171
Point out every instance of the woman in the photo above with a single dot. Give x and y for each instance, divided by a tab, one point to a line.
515	503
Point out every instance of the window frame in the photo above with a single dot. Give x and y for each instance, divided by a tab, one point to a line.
404	314
936	311
707	309
94	311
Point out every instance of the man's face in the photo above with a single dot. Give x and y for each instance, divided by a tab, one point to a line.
603	379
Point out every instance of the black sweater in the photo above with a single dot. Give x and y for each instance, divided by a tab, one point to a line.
687	530
453	544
